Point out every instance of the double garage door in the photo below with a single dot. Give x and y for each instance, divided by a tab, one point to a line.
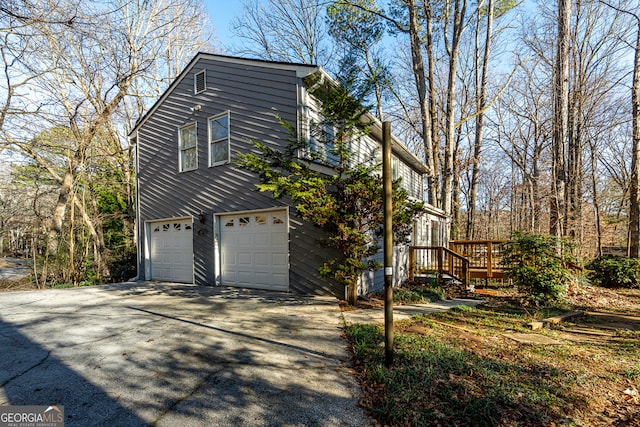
253	250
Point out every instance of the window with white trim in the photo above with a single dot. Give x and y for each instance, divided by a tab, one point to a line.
395	168
188	143
200	82
219	147
321	139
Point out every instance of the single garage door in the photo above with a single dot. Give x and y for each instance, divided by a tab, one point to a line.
254	250
171	250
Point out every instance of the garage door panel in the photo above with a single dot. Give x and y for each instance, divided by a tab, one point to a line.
171	250
278	240
262	240
229	258
245	277
262	259
278	278
245	260
260	244
245	240
264	278
230	274
279	260
186	260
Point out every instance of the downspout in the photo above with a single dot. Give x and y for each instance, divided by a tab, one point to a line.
136	226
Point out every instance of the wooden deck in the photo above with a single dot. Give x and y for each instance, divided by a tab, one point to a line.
463	259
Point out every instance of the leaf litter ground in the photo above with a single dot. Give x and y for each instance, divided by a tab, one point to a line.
463	367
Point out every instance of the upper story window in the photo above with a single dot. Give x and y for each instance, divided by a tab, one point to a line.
200	82
188	143
395	168
322	144
219	146
320	135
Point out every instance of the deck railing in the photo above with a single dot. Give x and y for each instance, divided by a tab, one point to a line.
485	256
424	260
465	259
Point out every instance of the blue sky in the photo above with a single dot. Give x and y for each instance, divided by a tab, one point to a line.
222	13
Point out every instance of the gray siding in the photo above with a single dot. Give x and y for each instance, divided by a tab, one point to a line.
366	150
427	232
252	94
411	180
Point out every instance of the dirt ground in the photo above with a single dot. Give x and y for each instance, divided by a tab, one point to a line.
598	348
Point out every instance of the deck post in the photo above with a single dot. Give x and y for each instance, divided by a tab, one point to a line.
466	274
489	259
412	263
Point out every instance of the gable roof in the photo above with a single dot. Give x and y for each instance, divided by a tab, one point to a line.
301	70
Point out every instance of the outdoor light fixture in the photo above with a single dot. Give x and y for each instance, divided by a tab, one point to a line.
202	217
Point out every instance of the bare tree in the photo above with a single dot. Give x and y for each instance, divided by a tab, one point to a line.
560	117
112	60
634	190
284	30
522	124
481	79
634	193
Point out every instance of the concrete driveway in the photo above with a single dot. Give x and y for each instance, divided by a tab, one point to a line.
177	355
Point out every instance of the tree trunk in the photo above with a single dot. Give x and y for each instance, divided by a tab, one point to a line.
430	150
481	102
57	218
634	190
433	107
560	120
452	52
596	201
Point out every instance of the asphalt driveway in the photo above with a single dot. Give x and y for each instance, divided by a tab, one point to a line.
177	355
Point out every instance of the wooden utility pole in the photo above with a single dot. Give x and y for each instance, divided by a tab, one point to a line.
388	243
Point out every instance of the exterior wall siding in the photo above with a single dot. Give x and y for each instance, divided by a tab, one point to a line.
252	95
366	150
426	228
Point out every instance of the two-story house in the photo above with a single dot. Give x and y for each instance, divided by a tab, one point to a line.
202	220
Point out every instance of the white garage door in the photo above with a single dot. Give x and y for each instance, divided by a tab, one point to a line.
254	250
171	250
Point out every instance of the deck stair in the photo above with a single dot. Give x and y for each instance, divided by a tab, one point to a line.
460	262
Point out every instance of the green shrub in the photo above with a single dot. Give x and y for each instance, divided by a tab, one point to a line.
615	272
535	264
418	295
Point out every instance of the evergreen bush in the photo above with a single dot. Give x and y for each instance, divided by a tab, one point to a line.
535	263
614	272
